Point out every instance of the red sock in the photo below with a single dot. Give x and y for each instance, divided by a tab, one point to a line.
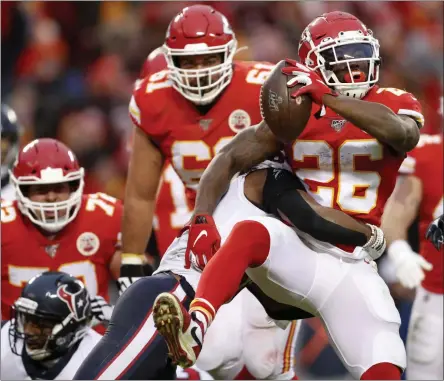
382	371
247	246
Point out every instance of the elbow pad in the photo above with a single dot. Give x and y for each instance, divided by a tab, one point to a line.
281	197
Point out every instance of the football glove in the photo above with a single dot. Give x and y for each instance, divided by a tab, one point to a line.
435	232
203	241
313	85
101	309
131	269
409	265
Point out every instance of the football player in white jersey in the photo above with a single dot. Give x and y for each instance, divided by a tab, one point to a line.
48	336
10	133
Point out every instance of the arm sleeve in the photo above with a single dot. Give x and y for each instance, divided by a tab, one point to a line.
281	197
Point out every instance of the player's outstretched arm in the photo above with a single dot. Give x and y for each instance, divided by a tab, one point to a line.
401	208
144	173
398	131
246	149
285	196
399	213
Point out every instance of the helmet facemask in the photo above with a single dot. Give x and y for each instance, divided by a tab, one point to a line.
50	216
201	86
349	63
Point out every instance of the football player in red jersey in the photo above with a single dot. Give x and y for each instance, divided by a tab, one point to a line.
57	226
420	188
348	157
172	207
185	114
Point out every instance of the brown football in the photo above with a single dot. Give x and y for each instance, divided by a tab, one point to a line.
285	116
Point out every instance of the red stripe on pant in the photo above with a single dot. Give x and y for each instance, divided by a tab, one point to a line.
130	341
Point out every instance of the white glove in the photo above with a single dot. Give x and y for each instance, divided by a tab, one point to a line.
374	247
101	309
124	282
409	265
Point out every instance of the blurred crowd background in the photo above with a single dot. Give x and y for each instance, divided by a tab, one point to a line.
68	69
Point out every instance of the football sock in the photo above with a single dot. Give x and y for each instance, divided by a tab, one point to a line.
247	245
382	371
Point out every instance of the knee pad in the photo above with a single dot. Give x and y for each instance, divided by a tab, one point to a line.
269	352
389	347
260	352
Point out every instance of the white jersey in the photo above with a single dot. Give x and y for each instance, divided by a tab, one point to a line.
12	367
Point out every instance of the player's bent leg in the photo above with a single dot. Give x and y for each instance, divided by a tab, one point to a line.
131	347
338	290
289	270
360	318
268	350
220	281
424	339
223	274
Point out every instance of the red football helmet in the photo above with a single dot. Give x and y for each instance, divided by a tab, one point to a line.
198	30
341	48
48	161
155	62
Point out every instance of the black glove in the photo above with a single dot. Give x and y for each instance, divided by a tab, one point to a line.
435	232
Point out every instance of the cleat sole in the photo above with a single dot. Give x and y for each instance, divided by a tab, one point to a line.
169	323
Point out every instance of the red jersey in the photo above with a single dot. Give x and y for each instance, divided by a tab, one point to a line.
83	248
345	168
426	162
186	137
173	209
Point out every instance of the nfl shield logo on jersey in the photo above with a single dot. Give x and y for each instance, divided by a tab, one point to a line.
88	244
337	124
205	124
51	250
239	120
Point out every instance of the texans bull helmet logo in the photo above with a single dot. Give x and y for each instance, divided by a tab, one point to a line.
75	301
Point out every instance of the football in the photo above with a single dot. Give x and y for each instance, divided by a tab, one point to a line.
285	116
